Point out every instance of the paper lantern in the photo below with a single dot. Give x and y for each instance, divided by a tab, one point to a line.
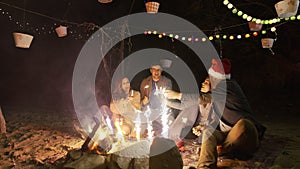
61	31
22	40
152	7
287	8
105	1
254	26
166	63
267	42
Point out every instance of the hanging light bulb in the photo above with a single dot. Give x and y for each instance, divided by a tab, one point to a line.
249	18
225	2
231	37
229	6
273	29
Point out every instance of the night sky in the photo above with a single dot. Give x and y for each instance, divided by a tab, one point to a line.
40	78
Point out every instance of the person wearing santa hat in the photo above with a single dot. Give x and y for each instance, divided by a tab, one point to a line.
237	133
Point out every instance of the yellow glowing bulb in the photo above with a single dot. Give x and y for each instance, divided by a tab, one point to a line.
273	29
231	37
210	38
249	18
160	35
225	2
240	13
293	18
247	35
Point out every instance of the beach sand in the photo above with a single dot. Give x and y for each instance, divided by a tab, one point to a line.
40	139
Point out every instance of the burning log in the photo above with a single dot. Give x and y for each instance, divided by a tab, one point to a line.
98	140
2	123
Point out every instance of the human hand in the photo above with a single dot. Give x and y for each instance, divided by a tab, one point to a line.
170	94
198	130
145	100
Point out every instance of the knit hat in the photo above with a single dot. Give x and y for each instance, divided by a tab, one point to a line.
156	66
220	68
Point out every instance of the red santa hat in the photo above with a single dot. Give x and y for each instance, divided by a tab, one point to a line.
220	68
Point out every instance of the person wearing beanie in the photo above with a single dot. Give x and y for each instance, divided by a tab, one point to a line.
237	133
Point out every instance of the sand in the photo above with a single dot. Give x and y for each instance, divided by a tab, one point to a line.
40	139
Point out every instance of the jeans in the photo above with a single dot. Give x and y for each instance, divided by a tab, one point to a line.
241	139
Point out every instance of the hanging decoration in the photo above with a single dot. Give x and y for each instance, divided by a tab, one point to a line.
166	63
105	1
75	30
249	18
22	40
267	42
61	31
253	26
152	7
214	36
287	8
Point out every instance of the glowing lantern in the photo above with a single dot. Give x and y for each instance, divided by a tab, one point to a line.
152	7
104	1
287	8
254	26
22	40
166	63
61	31
267	42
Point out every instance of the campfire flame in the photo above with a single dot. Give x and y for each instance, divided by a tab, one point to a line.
118	141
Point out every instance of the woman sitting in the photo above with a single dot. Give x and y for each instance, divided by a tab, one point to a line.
125	102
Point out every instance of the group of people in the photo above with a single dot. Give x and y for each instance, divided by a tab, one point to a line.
219	115
126	102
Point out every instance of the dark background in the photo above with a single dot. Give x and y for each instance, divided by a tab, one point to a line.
40	78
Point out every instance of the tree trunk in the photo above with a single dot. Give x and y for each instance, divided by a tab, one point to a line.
2	123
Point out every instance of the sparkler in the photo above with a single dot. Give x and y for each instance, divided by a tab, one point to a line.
149	124
138	125
164	109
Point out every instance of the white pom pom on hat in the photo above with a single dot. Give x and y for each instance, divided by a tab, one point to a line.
220	68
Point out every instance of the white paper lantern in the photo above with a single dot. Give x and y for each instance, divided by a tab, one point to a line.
61	31
152	7
22	40
267	42
254	26
166	63
287	8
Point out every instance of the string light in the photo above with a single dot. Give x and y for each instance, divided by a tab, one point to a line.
249	18
214	37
